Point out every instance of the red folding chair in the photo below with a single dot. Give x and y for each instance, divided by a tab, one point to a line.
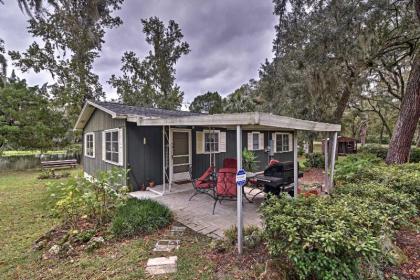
204	184
226	186
230	163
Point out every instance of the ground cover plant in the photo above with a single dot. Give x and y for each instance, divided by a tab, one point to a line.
140	216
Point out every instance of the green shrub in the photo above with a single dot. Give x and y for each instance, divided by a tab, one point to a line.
351	166
249	160
375	149
140	216
397	206
96	199
324	238
382	151
316	160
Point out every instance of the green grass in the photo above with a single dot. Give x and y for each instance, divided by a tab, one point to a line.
24	217
31	152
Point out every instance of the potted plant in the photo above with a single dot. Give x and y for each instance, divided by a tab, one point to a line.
249	160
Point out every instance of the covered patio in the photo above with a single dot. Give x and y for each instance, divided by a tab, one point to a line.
196	213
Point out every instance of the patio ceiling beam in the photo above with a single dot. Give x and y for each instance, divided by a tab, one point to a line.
254	119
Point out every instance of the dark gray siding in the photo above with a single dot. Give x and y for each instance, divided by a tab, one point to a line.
144	154
99	122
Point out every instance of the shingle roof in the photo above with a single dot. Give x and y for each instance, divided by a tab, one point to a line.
122	109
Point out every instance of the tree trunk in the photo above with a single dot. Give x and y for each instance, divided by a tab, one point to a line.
400	145
418	136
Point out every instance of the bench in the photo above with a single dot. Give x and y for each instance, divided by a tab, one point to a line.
54	164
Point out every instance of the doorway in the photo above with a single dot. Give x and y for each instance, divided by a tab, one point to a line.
180	154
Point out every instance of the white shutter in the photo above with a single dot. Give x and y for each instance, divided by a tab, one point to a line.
250	144
273	138
199	142
103	146
120	147
290	142
85	144
222	142
261	140
94	144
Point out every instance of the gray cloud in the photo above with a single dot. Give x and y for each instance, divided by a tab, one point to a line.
228	40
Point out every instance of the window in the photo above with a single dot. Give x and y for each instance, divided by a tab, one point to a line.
255	141
211	141
282	142
112	149
90	145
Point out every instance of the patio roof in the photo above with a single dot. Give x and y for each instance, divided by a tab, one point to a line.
246	120
160	117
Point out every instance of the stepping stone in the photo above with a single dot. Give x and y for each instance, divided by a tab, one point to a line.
166	245
177	231
162	265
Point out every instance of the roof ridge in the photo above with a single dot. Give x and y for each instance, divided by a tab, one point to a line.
142	107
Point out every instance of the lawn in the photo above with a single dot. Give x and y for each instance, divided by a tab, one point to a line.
24	217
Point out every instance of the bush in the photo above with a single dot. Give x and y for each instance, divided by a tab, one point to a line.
351	166
375	149
316	160
96	199
322	237
140	216
381	152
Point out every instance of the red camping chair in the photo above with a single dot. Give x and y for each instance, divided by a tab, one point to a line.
204	184
226	186
230	163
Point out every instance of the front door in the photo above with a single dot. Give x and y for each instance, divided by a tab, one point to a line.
180	154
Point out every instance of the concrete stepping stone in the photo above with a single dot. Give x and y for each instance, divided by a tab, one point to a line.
162	265
177	231
166	245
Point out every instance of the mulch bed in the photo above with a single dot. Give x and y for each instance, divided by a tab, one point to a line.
409	242
247	266
313	175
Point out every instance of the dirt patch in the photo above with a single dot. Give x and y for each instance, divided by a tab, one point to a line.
409	242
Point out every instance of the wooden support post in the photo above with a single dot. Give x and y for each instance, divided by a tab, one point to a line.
326	177
163	159
295	165
333	155
239	190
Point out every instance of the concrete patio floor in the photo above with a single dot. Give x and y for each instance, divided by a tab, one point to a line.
197	213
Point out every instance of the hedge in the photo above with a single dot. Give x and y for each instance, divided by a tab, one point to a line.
381	152
338	236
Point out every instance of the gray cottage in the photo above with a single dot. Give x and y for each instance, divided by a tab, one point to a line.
162	145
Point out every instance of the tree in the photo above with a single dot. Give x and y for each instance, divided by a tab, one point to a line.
3	64
210	102
241	100
25	117
72	34
408	119
151	81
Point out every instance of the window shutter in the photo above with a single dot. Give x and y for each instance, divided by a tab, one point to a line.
120	147
273	138
199	142
85	144
103	146
94	144
291	140
222	142
261	141
250	140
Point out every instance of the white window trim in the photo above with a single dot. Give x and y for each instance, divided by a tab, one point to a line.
204	141
290	135
120	152
93	146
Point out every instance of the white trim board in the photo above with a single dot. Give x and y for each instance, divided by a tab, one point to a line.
244	119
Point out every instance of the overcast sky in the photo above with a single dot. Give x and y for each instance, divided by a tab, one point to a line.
229	39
